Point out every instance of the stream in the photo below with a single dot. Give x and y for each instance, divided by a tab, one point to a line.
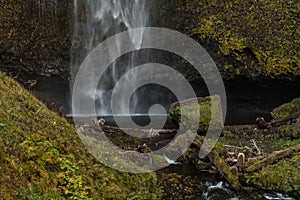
205	186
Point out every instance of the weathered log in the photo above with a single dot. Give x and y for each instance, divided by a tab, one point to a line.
225	171
272	158
283	121
262	124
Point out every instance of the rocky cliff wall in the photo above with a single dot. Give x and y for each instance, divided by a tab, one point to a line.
35	37
254	39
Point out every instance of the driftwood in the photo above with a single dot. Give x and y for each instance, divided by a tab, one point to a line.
256	150
234	147
256	147
272	158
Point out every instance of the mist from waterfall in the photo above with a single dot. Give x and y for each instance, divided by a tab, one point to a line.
97	20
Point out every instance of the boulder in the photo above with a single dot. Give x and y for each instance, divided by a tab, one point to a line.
187	109
287	110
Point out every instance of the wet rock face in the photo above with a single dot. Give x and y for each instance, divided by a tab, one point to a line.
254	39
35	37
246	39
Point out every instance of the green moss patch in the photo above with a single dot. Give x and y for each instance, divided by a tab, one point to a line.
208	111
283	176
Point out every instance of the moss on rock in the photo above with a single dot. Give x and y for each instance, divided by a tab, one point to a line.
278	169
205	108
283	176
254	38
287	110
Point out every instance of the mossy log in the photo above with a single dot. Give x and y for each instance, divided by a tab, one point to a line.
272	158
277	122
219	162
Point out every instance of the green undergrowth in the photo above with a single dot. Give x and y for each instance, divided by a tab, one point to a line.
287	110
282	176
42	156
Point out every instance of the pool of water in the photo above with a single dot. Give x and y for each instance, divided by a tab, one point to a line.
140	119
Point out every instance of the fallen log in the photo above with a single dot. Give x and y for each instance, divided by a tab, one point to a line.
272	158
223	168
262	124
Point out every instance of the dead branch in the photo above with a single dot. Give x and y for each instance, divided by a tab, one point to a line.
256	147
234	147
272	158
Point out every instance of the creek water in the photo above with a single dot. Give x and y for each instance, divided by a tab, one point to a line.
206	186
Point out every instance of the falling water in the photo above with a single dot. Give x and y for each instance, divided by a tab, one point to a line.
95	21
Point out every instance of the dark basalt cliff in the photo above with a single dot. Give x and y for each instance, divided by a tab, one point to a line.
35	38
253	39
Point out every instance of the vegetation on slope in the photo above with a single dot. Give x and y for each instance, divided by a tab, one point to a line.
42	156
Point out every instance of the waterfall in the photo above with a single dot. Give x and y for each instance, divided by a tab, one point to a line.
97	20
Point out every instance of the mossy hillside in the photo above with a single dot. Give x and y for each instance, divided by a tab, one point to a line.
254	38
42	156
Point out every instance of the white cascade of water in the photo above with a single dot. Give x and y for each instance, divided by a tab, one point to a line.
97	20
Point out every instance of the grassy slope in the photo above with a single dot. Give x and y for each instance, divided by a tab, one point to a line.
43	158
